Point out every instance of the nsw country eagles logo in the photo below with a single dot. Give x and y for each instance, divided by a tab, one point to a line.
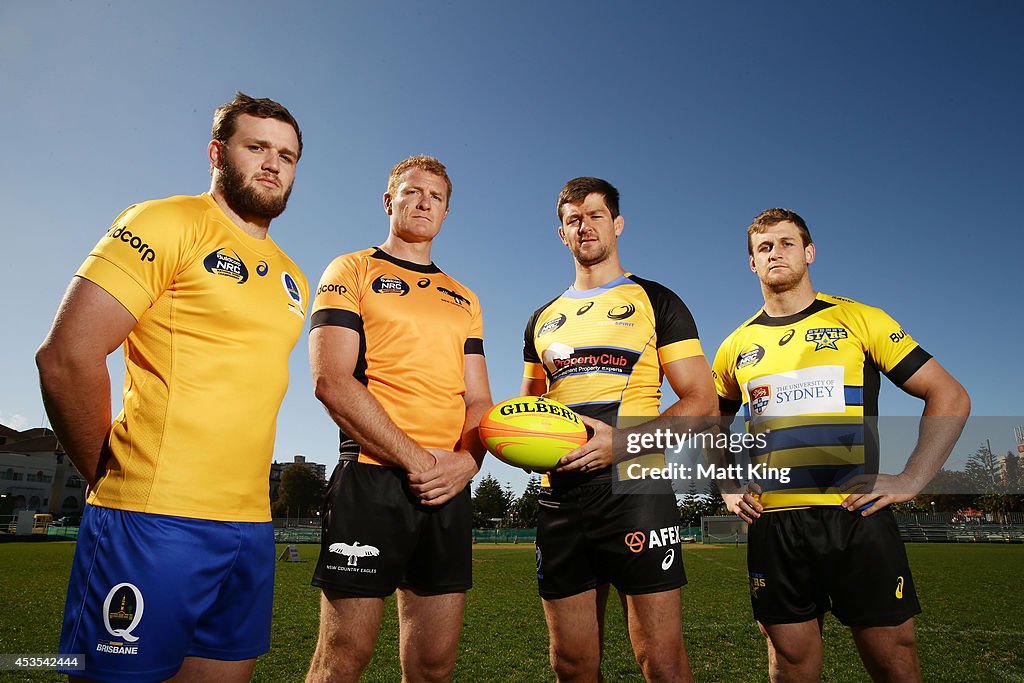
760	397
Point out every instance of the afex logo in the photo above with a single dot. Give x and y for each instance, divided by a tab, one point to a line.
636	541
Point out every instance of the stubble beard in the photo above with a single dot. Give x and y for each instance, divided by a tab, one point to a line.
598	256
247	200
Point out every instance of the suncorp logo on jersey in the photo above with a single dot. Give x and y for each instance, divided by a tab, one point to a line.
122	233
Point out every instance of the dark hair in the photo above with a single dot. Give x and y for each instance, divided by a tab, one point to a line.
770	217
577	189
227	114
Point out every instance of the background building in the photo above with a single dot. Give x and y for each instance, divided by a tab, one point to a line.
36	474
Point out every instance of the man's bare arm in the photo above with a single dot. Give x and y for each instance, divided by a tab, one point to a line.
946	407
453	470
333	353
90	325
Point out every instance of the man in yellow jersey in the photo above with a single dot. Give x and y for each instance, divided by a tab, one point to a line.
174	566
806	368
602	347
396	347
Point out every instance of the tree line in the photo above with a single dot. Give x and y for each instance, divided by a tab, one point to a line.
989	484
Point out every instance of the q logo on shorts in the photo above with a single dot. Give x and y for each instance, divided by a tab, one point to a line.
635	541
123	609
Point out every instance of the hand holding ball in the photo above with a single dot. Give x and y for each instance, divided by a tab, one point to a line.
532	432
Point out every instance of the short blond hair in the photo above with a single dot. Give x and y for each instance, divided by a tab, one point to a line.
422	161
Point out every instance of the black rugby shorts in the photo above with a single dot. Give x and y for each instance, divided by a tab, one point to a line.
803	563
377	536
588	535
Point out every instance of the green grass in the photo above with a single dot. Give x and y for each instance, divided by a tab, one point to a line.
970	629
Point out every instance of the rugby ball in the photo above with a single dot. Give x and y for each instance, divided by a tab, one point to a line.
531	431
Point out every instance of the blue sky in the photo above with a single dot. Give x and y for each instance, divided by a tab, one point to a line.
894	129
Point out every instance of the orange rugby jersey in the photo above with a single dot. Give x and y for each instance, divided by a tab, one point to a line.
416	324
218	313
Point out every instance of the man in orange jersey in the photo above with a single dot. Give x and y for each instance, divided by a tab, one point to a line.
396	347
174	568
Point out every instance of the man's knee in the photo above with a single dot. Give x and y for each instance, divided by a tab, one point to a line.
338	658
429	666
662	665
578	662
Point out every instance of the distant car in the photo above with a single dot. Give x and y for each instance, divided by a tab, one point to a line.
68	520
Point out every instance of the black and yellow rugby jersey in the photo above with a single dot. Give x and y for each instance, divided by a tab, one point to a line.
415	324
601	350
218	313
805	382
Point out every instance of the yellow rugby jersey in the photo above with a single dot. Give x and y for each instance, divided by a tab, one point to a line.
415	325
601	350
218	313
805	383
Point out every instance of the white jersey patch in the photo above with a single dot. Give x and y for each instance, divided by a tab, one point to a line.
800	392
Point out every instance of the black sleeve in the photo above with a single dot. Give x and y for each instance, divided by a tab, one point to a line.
672	319
336	317
906	368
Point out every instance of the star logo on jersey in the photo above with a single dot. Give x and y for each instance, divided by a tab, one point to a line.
760	397
825	337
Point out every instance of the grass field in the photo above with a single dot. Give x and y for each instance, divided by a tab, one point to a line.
971	629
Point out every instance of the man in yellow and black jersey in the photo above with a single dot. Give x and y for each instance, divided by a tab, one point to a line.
396	347
806	370
603	347
208	309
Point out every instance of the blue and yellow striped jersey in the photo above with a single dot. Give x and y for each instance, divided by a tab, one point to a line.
806	382
602	350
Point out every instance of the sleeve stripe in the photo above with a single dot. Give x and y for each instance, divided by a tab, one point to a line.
336	317
681	349
534	371
728	406
906	368
474	346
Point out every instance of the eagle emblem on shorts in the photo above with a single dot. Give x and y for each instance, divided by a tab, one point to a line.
354	551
